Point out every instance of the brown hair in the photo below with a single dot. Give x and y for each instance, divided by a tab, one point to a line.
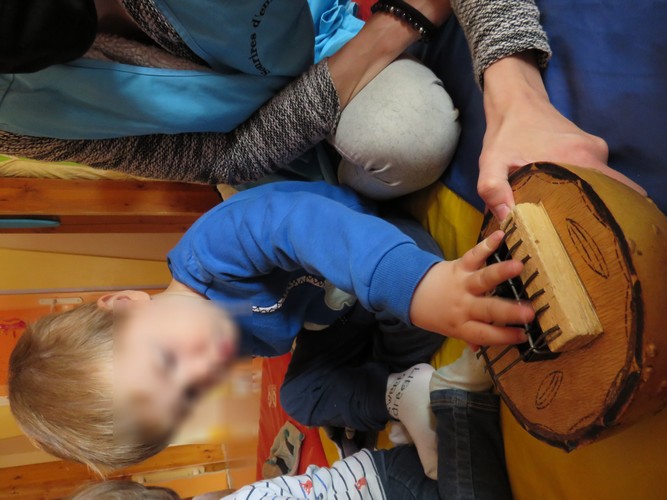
124	490
61	392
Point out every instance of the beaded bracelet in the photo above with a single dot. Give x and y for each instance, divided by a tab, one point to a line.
418	21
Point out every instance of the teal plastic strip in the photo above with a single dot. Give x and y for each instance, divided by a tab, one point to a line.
27	223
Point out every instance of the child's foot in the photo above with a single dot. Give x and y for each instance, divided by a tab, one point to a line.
466	373
350	441
408	400
398	434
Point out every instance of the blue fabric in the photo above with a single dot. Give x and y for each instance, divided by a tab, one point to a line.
335	25
402	475
266	251
471	454
338	376
608	75
255	47
471	460
449	58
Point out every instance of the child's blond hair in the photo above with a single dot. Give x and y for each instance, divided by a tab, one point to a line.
124	490
61	392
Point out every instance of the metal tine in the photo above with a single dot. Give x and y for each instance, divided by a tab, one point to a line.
513	248
526	259
536	294
532	349
530	279
542	339
509	367
502	354
544	343
509	231
541	310
487	367
482	350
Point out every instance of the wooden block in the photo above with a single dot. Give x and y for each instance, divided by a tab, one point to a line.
558	296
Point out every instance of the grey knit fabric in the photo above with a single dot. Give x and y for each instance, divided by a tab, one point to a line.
107	47
153	23
499	28
301	115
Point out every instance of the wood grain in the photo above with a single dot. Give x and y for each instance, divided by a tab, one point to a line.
550	277
57	479
617	242
106	206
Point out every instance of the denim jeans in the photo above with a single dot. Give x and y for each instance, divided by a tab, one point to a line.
471	461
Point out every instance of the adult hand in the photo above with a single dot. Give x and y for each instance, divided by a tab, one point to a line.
452	299
524	127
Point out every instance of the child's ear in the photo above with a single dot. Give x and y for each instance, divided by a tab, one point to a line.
118	300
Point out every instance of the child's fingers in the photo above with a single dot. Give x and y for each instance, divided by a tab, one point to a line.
476	257
475	332
487	279
501	311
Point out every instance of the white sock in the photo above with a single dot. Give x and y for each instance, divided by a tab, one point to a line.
408	400
466	373
398	434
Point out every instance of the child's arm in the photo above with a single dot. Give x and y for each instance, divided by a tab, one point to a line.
310	226
451	299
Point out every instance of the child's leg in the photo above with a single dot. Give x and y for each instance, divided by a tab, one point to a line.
402	476
398	134
470	447
332	379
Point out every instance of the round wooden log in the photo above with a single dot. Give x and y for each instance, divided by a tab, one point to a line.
617	242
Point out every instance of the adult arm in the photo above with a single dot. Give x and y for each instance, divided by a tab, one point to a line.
300	116
509	47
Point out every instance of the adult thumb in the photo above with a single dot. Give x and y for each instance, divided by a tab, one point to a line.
497	194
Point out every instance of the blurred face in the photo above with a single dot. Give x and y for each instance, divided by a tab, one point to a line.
167	352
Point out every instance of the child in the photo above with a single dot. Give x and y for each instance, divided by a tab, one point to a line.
461	408
124	490
284	258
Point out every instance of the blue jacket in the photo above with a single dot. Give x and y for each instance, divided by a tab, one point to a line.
254	47
266	257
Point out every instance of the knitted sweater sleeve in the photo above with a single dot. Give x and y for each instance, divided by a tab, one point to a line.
499	28
298	117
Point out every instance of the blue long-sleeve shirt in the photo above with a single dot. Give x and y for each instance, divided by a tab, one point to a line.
290	254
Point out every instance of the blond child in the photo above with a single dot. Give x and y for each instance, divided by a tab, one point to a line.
107	384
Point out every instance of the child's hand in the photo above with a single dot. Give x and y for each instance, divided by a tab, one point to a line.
450	299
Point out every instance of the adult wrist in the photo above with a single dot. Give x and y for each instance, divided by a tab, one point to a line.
408	14
512	80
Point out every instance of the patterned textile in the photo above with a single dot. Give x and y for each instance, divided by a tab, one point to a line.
500	28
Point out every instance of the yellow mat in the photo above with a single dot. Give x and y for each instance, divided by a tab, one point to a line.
629	465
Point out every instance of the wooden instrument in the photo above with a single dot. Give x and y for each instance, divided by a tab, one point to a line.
595	262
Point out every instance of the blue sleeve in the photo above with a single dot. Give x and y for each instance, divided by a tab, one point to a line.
328	231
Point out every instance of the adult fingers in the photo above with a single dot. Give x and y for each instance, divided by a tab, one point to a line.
495	190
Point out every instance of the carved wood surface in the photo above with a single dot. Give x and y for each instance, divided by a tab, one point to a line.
617	242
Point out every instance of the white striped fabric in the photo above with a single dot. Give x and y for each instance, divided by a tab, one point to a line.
356	477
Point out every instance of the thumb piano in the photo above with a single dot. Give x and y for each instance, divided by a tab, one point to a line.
595	258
